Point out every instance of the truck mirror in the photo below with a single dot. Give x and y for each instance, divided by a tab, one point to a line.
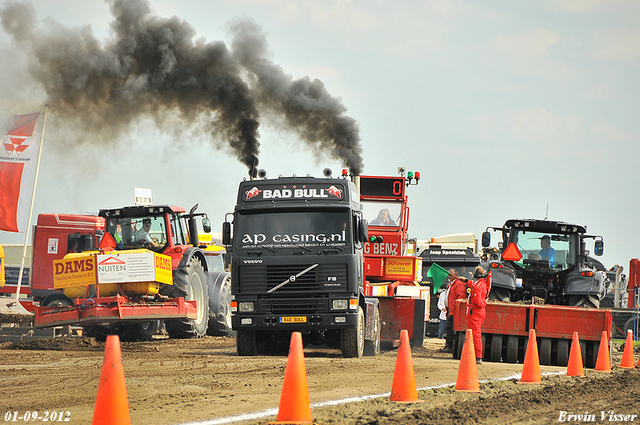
226	233
363	231
598	247
206	225
486	239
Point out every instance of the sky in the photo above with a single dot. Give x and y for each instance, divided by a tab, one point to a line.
508	109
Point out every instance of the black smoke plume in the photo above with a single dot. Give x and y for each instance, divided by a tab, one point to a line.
155	67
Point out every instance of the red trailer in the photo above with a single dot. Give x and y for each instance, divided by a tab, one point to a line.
506	329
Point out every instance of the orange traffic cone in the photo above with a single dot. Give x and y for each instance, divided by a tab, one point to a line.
468	371
294	400
603	362
627	354
403	389
531	367
112	406
575	367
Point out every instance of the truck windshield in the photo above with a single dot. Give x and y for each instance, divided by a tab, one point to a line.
382	213
137	232
557	249
292	229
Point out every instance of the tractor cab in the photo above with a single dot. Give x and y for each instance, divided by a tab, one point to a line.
157	228
547	260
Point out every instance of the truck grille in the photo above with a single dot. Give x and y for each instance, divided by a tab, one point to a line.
261	278
293	306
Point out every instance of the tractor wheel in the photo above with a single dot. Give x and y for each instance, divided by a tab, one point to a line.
500	294
353	339
246	343
192	281
372	348
590	301
143	331
220	306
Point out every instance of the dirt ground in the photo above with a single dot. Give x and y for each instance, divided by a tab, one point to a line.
203	380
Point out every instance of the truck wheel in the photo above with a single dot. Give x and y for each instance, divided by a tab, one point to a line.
143	331
500	294
220	306
590	301
372	348
353	339
192	280
246	343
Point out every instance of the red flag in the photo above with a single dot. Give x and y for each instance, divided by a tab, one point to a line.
18	157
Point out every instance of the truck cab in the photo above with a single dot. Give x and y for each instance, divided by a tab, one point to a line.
297	264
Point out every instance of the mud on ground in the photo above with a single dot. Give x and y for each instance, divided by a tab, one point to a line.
183	381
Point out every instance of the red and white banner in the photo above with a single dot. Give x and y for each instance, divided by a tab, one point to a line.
18	161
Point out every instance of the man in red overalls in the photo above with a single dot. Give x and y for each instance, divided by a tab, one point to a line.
476	310
457	290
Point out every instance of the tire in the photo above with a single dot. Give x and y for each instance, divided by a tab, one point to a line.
193	281
563	352
246	343
58	302
500	294
220	306
352	340
592	354
457	353
589	301
512	349
143	331
372	348
545	351
629	325
100	332
496	348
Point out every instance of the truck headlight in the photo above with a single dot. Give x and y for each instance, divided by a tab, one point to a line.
246	306
340	304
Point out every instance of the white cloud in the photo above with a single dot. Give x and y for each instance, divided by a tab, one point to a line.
616	44
527	53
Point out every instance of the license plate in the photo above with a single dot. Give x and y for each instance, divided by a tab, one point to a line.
294	319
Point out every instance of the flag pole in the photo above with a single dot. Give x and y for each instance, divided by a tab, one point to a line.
33	197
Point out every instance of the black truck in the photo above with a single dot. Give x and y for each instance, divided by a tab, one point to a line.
297	265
